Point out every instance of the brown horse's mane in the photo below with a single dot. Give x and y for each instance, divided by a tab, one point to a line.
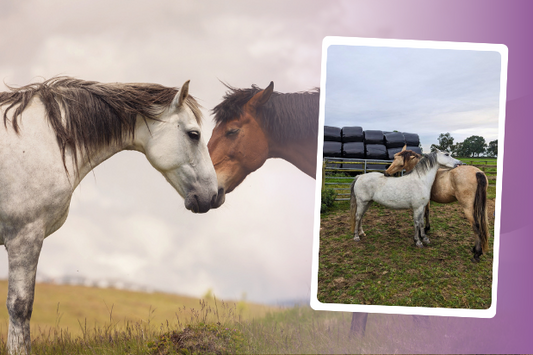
86	115
286	116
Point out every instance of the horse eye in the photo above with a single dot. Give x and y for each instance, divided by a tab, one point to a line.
194	135
232	132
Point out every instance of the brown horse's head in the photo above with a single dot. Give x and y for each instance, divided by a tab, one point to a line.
238	145
405	159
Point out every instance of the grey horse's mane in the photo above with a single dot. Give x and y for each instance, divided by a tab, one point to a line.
426	163
94	114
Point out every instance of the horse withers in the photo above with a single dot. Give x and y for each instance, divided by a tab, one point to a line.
411	191
55	133
466	184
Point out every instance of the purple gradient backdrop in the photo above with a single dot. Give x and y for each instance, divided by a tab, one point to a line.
509	23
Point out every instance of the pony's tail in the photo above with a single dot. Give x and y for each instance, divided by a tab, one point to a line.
353	205
480	211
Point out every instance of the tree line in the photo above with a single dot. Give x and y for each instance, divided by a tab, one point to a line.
473	146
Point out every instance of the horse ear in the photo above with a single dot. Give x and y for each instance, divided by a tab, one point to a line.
262	96
404	147
182	94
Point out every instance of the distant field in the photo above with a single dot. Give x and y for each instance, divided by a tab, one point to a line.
70	306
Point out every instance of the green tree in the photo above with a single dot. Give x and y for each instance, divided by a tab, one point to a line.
445	143
459	151
474	146
492	149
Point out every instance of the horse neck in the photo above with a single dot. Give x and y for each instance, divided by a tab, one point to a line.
429	175
298	144
87	162
300	153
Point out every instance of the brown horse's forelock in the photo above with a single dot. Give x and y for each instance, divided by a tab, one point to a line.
407	154
284	117
94	114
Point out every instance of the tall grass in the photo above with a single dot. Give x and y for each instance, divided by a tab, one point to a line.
217	328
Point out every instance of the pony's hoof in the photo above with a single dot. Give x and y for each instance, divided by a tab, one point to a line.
426	241
475	260
419	244
357	239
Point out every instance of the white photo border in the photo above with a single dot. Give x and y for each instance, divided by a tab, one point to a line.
429	311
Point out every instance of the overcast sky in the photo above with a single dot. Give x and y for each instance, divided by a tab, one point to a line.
126	222
427	91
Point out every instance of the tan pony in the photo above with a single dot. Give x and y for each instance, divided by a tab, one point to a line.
466	184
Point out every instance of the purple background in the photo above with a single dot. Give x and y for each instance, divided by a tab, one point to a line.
509	23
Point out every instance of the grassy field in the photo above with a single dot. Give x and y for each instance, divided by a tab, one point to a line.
386	268
77	310
211	327
122	322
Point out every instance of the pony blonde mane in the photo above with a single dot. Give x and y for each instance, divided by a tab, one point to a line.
86	115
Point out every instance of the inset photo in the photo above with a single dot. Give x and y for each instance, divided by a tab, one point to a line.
409	177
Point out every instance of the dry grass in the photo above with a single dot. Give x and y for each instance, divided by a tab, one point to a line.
75	308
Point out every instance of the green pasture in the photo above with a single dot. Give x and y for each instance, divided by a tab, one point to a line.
386	268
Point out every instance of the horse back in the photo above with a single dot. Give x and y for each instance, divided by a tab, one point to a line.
456	184
32	179
392	192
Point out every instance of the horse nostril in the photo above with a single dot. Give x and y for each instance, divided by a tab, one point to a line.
214	199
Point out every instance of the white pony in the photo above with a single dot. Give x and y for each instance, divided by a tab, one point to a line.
411	191
55	133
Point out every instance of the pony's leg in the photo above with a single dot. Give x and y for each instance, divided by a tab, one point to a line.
23	251
427	226
418	217
476	249
474	203
362	207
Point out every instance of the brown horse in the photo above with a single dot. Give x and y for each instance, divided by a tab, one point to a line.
253	125
466	184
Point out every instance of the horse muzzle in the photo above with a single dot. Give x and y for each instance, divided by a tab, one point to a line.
200	203
220	198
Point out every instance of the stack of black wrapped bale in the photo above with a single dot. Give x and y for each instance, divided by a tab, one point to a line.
353	145
394	141
353	142
413	142
332	144
375	145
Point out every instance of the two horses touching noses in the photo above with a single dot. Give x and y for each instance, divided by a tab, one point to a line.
55	133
